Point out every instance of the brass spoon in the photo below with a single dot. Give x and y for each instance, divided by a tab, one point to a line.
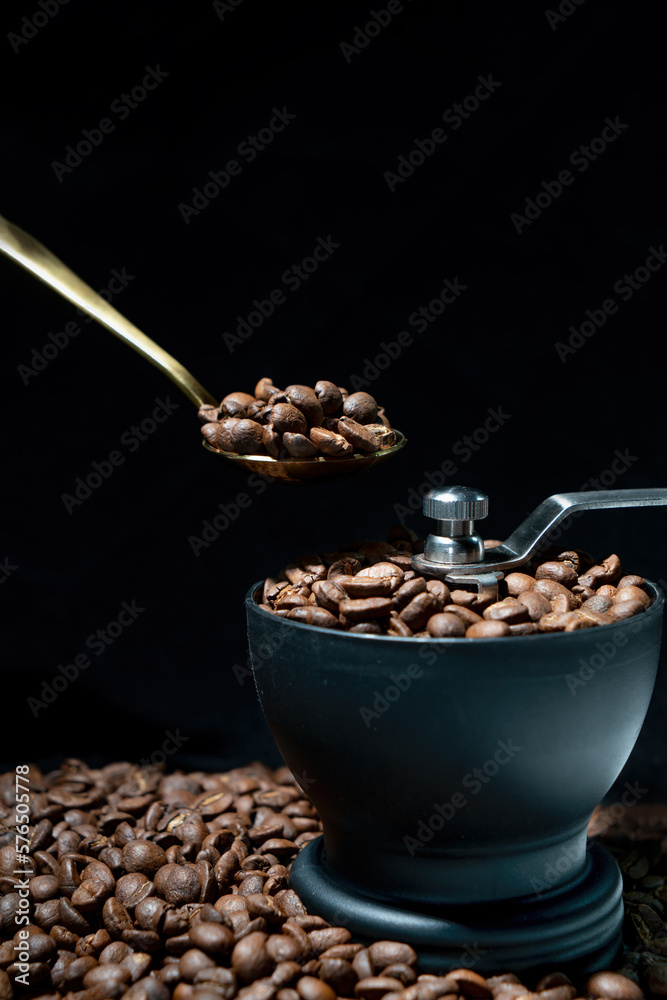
33	256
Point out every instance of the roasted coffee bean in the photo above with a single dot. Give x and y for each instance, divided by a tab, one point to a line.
631	581
630	593
305	399
90	895
132	888
467	616
329	594
568	621
367	586
313	616
313	988
330	442
43	887
375	987
440	590
608	571
613	986
359	436
536	604
417	613
265	389
287	418
561	572
366	608
517	583
445	626
362	407
250	958
143	856
298	445
487	630
624	609
330	398
509	610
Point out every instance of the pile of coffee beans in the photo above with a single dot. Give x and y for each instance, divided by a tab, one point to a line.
297	422
151	886
371	588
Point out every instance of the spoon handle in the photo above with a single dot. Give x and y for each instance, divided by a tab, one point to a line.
34	257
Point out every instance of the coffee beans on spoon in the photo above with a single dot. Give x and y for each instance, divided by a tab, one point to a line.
297	422
370	588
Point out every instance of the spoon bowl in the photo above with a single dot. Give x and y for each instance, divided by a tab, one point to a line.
301	471
32	255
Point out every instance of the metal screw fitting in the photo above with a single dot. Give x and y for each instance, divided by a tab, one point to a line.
454	540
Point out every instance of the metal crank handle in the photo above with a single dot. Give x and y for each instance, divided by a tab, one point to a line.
531	533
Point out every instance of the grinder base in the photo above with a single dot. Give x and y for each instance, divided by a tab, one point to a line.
576	927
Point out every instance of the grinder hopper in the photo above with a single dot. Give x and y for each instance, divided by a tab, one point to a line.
455	778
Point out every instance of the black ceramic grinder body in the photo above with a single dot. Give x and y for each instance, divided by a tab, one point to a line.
455	778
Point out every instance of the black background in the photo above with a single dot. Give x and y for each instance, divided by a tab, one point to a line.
324	175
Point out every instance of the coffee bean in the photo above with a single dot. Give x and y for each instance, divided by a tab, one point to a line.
561	572
631	581
509	610
625	609
613	986
367	586
250	958
445	626
375	987
313	616
265	389
569	621
630	593
384	953
467	616
417	613
487	630
517	583
366	608
313	988
285	417
535	603
132	888
143	856
306	400
330	442
109	979
359	436
43	887
330	398
298	445
471	984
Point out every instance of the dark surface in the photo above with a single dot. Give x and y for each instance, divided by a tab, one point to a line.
494	347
